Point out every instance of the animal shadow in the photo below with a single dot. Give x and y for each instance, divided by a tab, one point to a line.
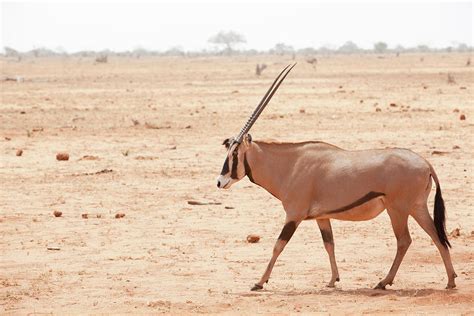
364	292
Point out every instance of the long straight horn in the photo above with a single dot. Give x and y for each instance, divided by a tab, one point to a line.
263	103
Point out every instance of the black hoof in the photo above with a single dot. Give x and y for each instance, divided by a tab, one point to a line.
257	287
379	286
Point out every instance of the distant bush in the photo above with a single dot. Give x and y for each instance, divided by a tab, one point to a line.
101	59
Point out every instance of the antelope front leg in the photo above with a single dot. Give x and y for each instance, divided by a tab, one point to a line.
326	233
285	236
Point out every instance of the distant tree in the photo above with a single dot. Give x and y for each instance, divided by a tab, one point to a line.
463	47
325	50
41	52
380	47
10	52
307	51
399	48
282	49
348	47
423	48
139	52
175	51
228	39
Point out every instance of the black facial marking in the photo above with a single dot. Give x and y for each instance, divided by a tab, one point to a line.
327	236
287	231
225	167
369	196
235	161
248	171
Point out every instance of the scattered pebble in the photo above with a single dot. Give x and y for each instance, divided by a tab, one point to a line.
456	110
85	215
119	215
455	233
193	202
62	156
393	105
462	117
253	238
89	157
439	152
19	152
378	110
456	147
57	213
53	248
302	111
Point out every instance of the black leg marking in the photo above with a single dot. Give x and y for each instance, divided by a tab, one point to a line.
287	231
327	236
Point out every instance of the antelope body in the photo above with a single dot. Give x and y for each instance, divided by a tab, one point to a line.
316	180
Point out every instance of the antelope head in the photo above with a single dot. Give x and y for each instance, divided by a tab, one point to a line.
234	168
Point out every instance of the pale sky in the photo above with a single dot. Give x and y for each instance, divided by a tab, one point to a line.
164	24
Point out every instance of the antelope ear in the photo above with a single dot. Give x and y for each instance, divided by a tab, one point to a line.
226	143
248	139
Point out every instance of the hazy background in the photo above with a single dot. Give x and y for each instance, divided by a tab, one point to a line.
73	27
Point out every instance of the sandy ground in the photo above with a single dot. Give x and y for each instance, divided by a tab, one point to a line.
144	138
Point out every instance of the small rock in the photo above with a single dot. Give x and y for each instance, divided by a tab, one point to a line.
393	105
462	117
62	156
99	216
439	152
57	213
85	216
455	233
119	215
253	238
456	110
89	157
19	152
302	111
456	147
378	110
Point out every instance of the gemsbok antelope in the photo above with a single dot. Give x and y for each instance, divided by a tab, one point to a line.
316	180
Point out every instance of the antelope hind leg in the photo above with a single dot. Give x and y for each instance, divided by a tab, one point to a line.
326	234
423	218
399	222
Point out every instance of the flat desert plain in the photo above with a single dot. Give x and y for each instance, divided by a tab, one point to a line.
144	142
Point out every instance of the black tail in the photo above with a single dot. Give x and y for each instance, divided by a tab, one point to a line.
440	218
